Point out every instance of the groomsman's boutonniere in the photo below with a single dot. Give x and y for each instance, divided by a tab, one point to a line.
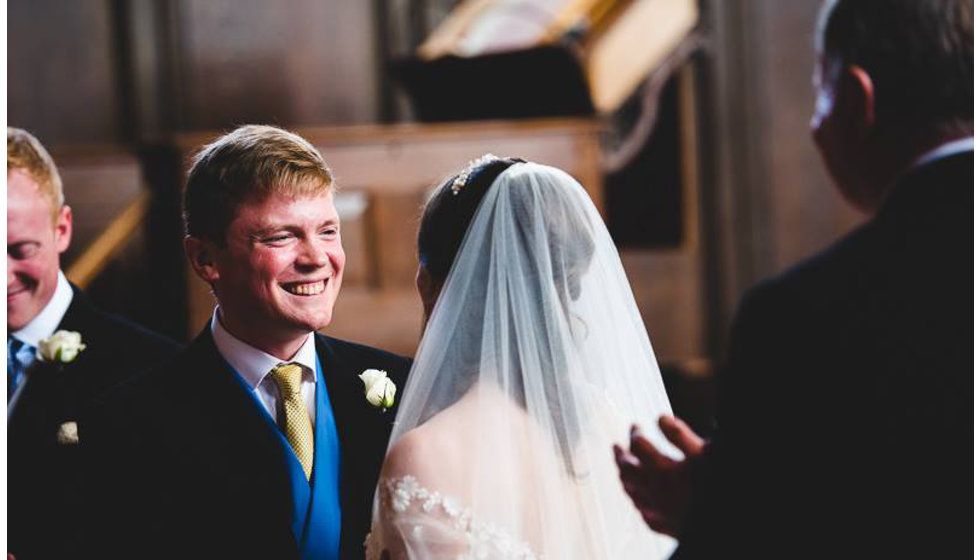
60	348
378	389
67	433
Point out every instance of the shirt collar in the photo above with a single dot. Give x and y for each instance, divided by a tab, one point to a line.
46	322
944	150
253	364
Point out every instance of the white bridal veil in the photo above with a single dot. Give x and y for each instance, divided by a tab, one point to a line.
533	363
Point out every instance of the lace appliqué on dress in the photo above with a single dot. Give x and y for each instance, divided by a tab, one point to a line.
404	496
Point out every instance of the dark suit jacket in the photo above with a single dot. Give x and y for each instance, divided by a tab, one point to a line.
844	422
187	466
43	477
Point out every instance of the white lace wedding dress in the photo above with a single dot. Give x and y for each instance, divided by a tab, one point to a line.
526	504
450	529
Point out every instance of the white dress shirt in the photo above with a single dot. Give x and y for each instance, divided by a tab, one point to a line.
42	326
254	366
945	150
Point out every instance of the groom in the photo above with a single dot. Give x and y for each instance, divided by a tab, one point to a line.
257	441
845	412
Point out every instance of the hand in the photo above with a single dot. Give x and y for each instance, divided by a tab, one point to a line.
660	487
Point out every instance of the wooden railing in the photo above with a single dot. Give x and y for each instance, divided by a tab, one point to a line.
105	188
97	255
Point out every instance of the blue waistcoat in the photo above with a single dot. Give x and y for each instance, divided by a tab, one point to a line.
316	504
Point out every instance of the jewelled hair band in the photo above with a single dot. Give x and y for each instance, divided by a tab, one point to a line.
464	176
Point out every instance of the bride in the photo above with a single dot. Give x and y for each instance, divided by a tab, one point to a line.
533	361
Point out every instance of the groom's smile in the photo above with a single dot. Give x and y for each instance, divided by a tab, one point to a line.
280	272
306	289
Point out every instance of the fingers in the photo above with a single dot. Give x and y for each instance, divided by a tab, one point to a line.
656	522
681	435
632	475
623	458
630	469
647	454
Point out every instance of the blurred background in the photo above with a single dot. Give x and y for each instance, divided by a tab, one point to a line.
686	120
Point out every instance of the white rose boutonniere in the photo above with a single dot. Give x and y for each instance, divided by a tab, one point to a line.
378	389
67	433
61	348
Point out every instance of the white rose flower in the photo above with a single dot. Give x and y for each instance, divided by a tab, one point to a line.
62	347
378	389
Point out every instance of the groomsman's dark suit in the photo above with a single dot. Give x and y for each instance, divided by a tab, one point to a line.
190	466
844	413
43	478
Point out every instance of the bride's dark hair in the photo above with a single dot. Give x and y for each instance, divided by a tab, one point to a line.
443	226
447	216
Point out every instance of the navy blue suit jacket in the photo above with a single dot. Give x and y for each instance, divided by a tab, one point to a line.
43	476
188	467
844	421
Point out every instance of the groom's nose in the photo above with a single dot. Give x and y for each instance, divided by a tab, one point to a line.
312	254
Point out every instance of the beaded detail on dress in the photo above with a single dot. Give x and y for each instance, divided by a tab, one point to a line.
405	497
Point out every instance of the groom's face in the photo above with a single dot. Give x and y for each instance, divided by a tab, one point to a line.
280	272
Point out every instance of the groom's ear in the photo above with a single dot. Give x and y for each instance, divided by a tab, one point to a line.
201	254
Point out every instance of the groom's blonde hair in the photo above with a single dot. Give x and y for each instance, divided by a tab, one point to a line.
247	165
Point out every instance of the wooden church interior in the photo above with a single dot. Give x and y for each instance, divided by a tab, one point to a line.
686	121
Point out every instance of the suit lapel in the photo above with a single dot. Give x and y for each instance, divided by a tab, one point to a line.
52	390
37	408
80	381
222	426
362	431
343	400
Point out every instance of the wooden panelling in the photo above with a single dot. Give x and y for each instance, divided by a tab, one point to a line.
61	78
768	201
355	210
110	243
407	157
389	319
99	71
667	287
300	62
395	221
807	212
99	184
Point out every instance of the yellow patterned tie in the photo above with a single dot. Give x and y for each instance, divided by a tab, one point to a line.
299	431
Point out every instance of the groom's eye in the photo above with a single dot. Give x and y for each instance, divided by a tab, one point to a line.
278	238
331	232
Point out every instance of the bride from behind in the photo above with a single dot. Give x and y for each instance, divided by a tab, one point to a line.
533	361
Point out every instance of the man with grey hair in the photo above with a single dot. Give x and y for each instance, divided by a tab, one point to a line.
845	408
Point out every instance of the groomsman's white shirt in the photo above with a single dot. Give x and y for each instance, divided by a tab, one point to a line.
254	366
42	326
